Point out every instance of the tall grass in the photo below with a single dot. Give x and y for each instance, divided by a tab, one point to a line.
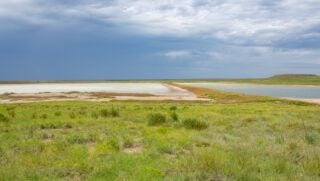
3	118
109	112
193	123
251	141
156	119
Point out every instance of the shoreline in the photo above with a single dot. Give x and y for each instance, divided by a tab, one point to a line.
311	100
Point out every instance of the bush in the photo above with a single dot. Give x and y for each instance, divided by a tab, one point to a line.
311	138
12	113
72	115
48	126
104	113
83	113
3	118
156	119
44	116
195	124
173	108
114	112
109	113
67	126
94	115
58	113
174	116
34	116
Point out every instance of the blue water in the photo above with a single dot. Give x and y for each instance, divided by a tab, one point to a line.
266	90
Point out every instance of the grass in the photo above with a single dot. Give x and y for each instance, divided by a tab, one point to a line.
109	112
3	118
156	119
239	140
193	123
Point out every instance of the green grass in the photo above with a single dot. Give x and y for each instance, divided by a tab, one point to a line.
156	119
192	123
270	140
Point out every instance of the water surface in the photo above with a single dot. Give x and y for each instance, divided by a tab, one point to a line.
288	91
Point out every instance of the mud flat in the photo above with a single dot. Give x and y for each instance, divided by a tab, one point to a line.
13	93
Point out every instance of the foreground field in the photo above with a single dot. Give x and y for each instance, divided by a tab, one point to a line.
270	140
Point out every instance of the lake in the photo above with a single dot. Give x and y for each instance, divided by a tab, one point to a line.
288	91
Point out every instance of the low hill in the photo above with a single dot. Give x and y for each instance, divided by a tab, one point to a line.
293	76
286	79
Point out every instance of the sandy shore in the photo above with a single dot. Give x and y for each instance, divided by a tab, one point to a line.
316	101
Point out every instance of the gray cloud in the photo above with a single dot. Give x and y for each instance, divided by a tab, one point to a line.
257	22
261	35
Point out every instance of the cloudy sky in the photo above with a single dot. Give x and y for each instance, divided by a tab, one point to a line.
147	39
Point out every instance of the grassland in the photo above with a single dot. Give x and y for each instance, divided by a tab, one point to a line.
227	140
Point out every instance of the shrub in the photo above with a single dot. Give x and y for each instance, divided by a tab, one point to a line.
48	126
109	113
249	119
94	115
174	116
3	118
156	119
128	143
12	113
114	144
10	108
34	116
72	115
104	113
67	126
173	108
311	138
114	112
84	113
58	113
44	116
195	124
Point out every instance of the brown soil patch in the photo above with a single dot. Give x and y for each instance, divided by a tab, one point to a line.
134	149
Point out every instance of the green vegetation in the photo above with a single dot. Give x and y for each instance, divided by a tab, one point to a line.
109	113
241	140
156	119
3	118
193	123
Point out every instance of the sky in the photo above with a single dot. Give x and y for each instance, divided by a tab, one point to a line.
148	39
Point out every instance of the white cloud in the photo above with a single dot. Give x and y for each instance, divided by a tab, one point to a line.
177	54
